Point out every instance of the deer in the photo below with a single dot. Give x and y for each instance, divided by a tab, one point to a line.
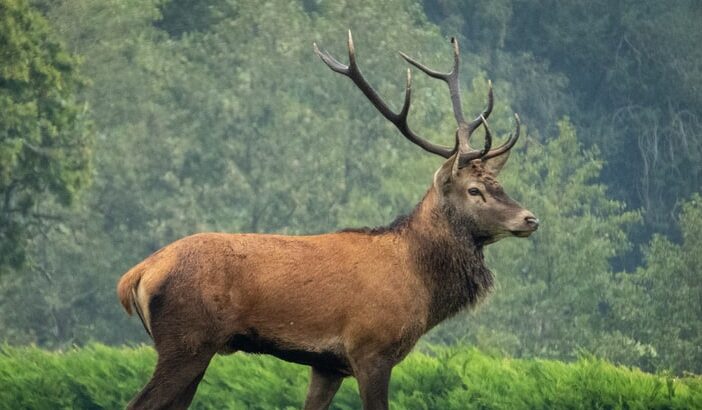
351	303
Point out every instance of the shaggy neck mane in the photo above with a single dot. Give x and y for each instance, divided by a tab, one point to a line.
448	257
446	254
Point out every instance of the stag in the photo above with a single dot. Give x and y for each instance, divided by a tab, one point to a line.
349	303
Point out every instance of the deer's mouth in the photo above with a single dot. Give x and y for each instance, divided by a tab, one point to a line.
524	233
531	224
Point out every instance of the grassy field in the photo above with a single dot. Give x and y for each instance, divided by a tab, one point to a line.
102	377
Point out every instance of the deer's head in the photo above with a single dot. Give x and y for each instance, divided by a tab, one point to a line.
466	184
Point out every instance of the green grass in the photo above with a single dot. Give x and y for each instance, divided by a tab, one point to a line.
102	377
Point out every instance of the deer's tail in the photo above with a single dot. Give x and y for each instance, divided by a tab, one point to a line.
127	289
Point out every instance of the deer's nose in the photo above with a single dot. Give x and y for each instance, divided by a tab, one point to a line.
532	222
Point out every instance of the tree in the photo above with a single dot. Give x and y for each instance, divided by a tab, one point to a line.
65	295
666	313
217	115
626	72
44	137
235	128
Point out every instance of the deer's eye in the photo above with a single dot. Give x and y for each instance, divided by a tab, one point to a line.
474	191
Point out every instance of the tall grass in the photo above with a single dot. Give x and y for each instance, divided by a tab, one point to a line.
102	377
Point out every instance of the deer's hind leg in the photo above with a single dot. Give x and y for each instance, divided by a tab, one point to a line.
186	397
174	382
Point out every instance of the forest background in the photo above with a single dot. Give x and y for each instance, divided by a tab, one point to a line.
126	124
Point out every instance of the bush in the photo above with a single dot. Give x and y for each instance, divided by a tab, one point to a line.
461	378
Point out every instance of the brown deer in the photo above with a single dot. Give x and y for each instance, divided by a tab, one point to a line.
350	303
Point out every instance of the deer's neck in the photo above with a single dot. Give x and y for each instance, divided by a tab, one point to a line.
448	258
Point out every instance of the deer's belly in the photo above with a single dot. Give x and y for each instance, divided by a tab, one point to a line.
324	357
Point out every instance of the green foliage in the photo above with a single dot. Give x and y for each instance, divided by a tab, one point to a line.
459	378
180	17
69	281
216	115
221	130
44	144
627	72
668	286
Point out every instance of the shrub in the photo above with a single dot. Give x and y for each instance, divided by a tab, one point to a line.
104	377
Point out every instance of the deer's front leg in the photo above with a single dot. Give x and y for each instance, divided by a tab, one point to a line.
323	386
373	382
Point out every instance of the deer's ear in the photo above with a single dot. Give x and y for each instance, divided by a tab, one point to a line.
495	164
447	172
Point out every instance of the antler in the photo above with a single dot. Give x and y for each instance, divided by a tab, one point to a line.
464	130
398	119
507	145
451	78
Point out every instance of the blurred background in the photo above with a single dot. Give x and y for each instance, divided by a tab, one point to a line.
126	124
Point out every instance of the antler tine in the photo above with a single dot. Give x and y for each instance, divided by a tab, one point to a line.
508	144
451	78
398	119
466	157
486	113
488	137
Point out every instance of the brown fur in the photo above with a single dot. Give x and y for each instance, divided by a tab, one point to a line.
353	302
